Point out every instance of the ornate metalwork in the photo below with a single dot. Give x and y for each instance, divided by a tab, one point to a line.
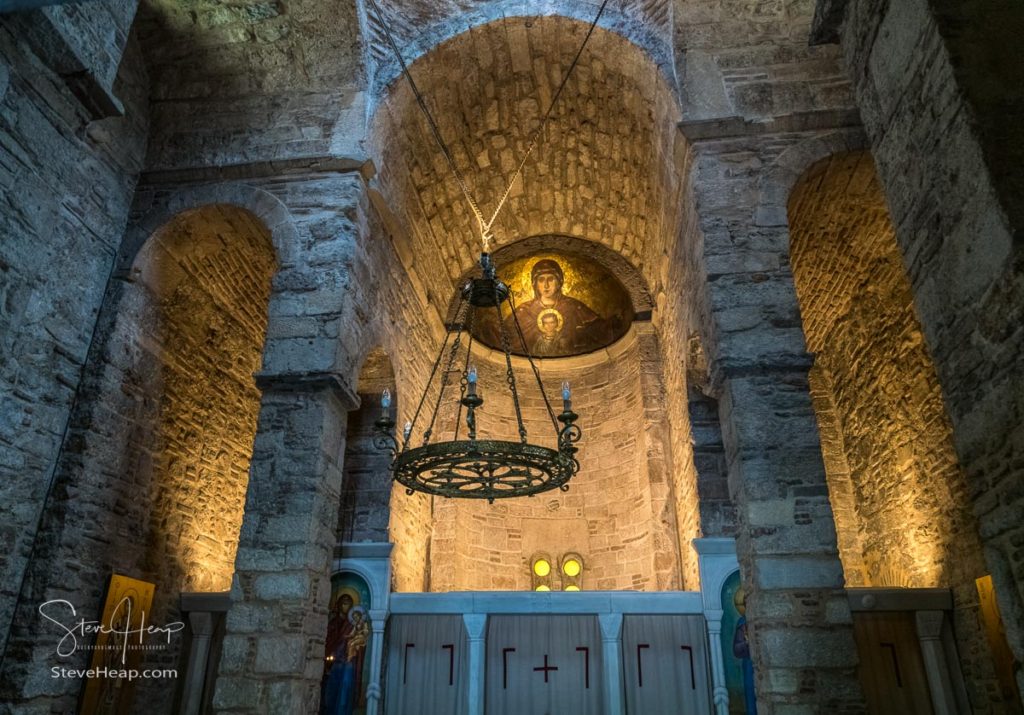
479	468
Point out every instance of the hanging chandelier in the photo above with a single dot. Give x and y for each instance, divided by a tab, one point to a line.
471	467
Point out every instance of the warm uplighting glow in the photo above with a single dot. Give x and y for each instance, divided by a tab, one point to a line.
542	587
542	568
571	568
572	588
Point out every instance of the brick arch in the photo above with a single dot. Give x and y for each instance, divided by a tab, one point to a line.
778	180
263	205
898	493
420	27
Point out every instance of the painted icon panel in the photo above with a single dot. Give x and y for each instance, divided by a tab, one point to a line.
346	671
564	305
739	668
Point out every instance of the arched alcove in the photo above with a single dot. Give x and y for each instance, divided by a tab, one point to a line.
607	173
366	485
197	322
896	487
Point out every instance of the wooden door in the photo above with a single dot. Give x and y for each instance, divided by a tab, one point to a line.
891	668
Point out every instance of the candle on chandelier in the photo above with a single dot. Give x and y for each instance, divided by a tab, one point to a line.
471	379
385	400
407	431
566	396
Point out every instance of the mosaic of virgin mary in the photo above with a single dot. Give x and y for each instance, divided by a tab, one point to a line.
565	305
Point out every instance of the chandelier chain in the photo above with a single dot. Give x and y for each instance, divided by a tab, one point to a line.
537	132
529	359
446	376
464	381
510	376
433	371
486	235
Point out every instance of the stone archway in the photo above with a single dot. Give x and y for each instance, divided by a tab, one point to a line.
899	496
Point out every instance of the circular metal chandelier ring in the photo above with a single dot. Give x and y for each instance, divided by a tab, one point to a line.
483	469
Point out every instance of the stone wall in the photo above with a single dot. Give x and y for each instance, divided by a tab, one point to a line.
750	60
153	474
878	384
65	189
367	486
607	516
242	83
927	77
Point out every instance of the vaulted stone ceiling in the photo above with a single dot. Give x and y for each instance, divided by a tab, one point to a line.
607	168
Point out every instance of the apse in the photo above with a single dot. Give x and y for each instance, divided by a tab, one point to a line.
597	205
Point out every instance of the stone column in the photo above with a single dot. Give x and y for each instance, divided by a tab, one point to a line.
940	681
378	618
272	657
611	654
799	622
476	633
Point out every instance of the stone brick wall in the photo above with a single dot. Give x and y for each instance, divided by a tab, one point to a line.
65	190
877	384
253	82
926	77
750	59
367	485
157	455
607	515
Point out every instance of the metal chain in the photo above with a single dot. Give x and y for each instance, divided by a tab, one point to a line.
464	381
446	377
510	376
486	235
543	122
433	371
529	359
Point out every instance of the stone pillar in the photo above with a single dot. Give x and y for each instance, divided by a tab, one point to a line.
611	654
476	633
799	622
272	657
378	618
940	680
